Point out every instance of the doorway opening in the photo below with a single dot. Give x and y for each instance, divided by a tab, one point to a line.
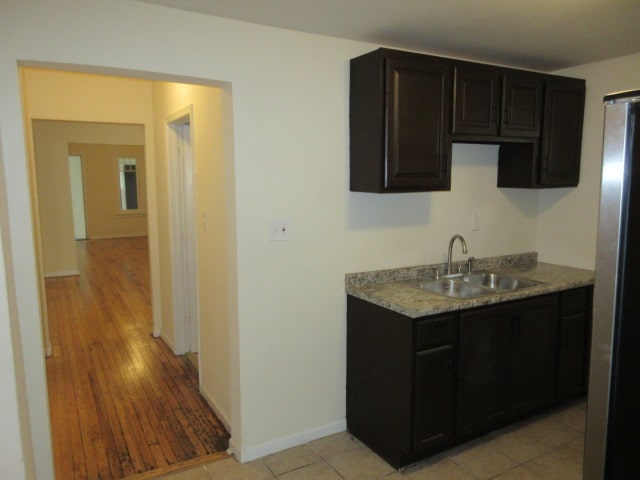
160	176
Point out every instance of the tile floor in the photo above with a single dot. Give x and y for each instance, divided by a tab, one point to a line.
546	447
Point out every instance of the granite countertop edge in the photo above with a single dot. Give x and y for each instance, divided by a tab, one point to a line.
392	288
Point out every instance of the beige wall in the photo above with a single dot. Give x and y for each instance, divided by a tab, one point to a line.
212	248
54	201
568	218
96	99
100	175
51	140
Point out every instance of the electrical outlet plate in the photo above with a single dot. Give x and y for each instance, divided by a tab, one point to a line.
280	230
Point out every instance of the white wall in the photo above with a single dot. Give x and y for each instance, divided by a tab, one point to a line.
290	111
16	458
568	218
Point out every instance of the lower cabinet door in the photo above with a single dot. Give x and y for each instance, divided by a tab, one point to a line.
571	380
482	369
532	354
434	401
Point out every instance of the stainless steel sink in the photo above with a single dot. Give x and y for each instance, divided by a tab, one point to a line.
473	285
453	287
498	282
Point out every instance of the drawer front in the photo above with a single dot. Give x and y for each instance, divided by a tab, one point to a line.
573	301
435	332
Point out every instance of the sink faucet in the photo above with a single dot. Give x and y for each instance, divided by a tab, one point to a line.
464	250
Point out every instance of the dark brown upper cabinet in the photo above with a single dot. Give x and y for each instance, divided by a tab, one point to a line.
406	109
477	100
562	134
521	105
399	121
554	159
496	102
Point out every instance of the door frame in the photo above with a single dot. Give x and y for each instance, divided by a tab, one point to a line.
184	252
77	197
25	254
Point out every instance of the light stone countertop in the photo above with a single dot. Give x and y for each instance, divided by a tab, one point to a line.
392	289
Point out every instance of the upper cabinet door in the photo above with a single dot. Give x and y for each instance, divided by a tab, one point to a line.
521	105
562	139
476	101
417	118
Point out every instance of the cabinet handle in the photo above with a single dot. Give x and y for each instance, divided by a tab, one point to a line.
494	113
516	323
545	162
445	167
507	114
451	367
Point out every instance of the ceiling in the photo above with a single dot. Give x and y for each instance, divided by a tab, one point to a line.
541	35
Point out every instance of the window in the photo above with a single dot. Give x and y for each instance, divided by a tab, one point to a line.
128	184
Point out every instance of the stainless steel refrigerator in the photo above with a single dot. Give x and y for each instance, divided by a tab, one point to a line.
612	441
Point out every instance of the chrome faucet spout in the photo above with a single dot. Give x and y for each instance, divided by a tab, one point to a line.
464	250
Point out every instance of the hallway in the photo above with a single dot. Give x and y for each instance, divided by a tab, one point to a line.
121	403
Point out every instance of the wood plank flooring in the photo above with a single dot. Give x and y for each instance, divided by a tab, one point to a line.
121	403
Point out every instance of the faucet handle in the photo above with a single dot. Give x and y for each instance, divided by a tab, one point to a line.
469	264
437	273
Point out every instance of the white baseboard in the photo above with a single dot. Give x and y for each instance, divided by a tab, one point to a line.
246	454
170	343
167	341
63	273
117	235
235	449
222	416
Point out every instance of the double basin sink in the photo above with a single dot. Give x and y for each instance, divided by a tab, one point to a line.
474	284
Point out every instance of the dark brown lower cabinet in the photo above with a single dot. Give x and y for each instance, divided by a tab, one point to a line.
574	327
571	352
435	396
483	369
419	386
507	362
532	354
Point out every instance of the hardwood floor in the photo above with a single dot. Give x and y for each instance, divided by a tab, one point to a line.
121	403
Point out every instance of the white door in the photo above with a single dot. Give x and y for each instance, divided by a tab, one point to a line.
77	197
184	246
188	235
